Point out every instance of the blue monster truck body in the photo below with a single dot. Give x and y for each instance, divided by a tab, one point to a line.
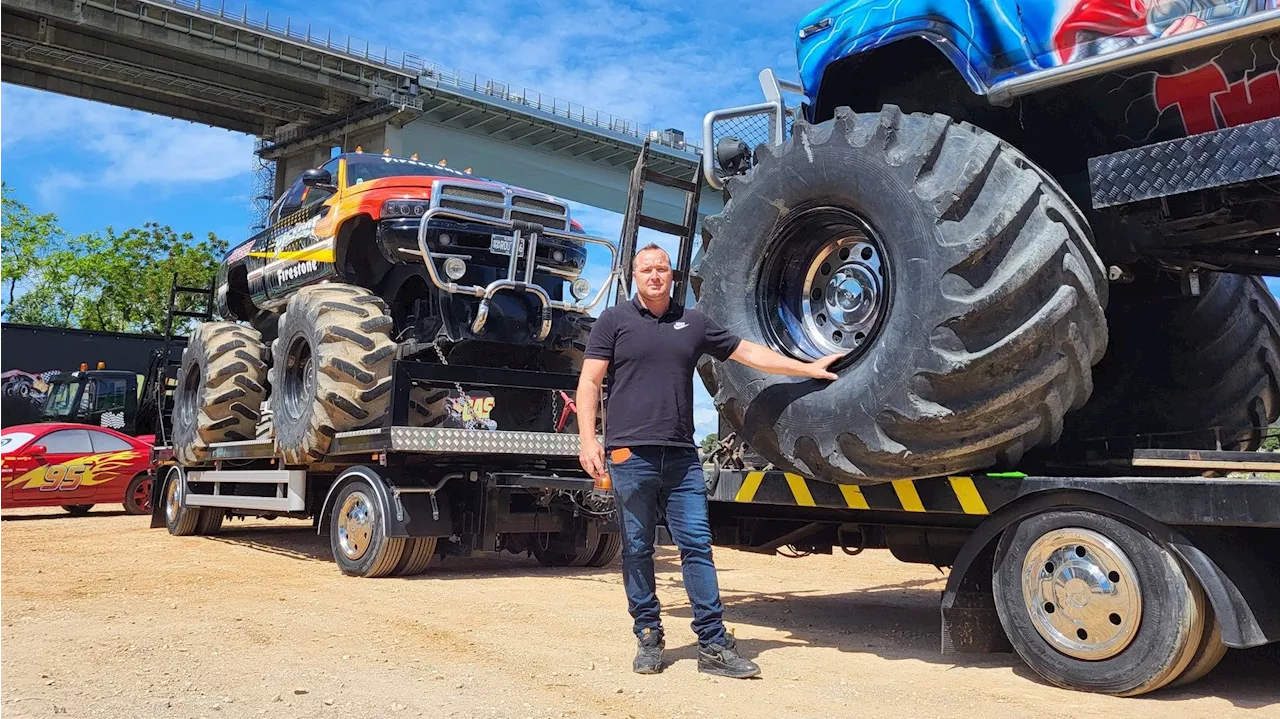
1032	227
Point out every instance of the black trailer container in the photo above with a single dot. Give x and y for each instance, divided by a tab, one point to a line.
33	354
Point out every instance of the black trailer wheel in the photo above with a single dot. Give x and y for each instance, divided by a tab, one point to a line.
548	557
957	277
331	368
357	534
1210	651
210	522
1195	371
181	521
77	510
137	496
607	551
418	553
219	390
1092	604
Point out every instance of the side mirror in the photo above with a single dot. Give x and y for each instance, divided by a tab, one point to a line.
36	450
318	178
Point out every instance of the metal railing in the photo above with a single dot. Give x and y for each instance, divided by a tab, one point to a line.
430	73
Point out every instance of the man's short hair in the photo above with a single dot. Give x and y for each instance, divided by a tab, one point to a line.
654	246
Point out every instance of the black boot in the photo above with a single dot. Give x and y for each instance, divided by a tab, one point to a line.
723	660
649	654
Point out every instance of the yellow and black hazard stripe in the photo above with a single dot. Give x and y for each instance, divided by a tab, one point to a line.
972	495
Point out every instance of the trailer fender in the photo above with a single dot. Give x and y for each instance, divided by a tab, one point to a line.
403	514
969	621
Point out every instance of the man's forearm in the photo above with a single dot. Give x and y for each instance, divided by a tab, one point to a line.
766	360
587	401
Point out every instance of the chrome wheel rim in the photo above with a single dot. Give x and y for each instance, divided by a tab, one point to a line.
826	285
171	496
1082	593
355	525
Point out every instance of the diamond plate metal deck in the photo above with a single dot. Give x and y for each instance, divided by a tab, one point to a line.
1199	162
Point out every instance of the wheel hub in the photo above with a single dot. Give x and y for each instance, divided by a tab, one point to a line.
171	499
826	286
355	525
1082	593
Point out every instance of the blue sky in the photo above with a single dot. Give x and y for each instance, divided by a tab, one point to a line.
662	64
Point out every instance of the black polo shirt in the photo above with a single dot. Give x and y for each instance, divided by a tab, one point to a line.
651	365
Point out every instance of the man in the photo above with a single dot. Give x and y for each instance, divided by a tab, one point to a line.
648	348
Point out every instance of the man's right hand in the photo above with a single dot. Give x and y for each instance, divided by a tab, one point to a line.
591	456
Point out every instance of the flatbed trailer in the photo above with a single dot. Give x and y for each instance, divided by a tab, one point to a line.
1119	585
394	498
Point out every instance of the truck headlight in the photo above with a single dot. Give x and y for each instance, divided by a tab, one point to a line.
404	208
733	156
580	288
455	268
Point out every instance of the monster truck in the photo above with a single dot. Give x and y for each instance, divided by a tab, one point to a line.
372	258
1035	228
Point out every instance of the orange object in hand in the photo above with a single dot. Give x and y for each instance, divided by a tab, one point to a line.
604	483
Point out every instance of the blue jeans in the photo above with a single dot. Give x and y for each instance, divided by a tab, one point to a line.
670	478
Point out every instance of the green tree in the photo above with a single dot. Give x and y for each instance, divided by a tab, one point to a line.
710	443
108	280
26	239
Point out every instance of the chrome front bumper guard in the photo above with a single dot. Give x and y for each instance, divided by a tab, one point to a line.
773	106
521	232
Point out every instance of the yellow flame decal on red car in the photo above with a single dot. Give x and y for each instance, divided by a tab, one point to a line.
88	470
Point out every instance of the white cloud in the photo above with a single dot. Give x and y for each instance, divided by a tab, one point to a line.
115	149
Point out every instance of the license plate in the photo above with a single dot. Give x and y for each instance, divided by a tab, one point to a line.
501	244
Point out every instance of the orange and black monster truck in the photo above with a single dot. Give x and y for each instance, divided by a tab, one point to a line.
370	258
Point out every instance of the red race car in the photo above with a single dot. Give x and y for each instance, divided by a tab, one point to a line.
73	466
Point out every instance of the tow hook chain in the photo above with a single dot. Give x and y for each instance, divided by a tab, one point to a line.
469	407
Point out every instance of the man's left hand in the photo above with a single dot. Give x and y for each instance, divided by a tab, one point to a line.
818	368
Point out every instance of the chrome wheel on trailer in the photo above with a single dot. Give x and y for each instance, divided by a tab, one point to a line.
181	521
355	529
1092	603
1082	593
357	533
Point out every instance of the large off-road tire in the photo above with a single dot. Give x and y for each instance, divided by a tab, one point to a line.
1184	371
960	279
331	368
428	406
1092	604
220	387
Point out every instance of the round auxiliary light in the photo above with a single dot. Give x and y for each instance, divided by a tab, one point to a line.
418	210
455	268
445	239
580	288
557	255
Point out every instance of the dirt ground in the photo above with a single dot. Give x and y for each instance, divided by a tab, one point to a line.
103	617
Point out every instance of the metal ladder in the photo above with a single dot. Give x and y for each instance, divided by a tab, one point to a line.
634	219
163	374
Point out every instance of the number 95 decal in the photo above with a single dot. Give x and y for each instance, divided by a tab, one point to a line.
63	477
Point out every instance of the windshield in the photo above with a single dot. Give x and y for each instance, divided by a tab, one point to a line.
61	399
13	440
367	168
